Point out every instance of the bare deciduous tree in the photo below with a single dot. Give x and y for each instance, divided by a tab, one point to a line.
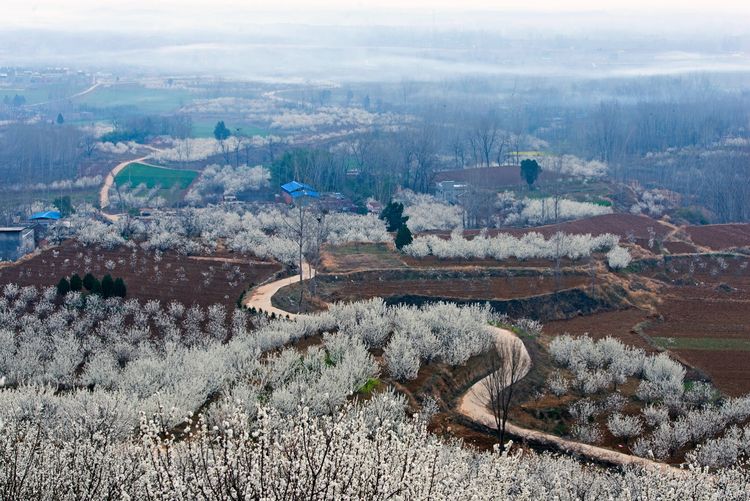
509	363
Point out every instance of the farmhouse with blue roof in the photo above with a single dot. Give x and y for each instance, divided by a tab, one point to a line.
293	190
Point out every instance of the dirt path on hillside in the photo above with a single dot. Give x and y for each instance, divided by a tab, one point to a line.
260	297
110	180
473	405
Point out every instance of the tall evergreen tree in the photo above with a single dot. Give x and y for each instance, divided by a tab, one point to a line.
108	286
530	171
88	282
119	289
76	284
393	215
403	237
221	132
63	286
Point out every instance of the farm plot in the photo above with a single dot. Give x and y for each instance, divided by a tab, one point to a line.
622	324
491	177
202	280
360	257
153	176
170	184
453	284
144	99
720	236
204	127
704	316
380	256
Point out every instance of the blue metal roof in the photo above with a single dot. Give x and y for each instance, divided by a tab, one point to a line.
50	214
293	186
296	189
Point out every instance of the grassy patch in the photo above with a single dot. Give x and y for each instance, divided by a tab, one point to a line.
702	343
369	386
137	173
374	249
361	256
41	93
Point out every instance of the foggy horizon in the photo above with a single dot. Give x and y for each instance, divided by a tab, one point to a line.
255	41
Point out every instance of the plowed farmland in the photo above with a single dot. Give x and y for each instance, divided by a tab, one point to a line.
720	236
202	280
460	288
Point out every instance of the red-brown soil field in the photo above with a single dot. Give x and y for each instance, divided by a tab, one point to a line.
462	288
366	256
202	280
702	316
720	236
680	248
491	177
618	224
620	324
729	370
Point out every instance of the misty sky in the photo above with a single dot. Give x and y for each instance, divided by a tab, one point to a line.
180	14
383	39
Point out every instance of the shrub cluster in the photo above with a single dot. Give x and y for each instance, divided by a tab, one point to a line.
107	287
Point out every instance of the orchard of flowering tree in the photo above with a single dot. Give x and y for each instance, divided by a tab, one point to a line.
117	397
111	398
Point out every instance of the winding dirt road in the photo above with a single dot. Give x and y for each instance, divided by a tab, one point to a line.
110	180
473	405
260	297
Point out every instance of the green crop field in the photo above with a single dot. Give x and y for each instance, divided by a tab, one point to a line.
143	98
137	173
40	93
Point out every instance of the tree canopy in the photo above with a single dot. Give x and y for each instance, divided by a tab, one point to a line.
403	237
530	171
393	215
63	286
76	284
221	132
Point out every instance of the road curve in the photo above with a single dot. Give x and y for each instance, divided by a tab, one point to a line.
95	86
473	405
260	297
110	180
